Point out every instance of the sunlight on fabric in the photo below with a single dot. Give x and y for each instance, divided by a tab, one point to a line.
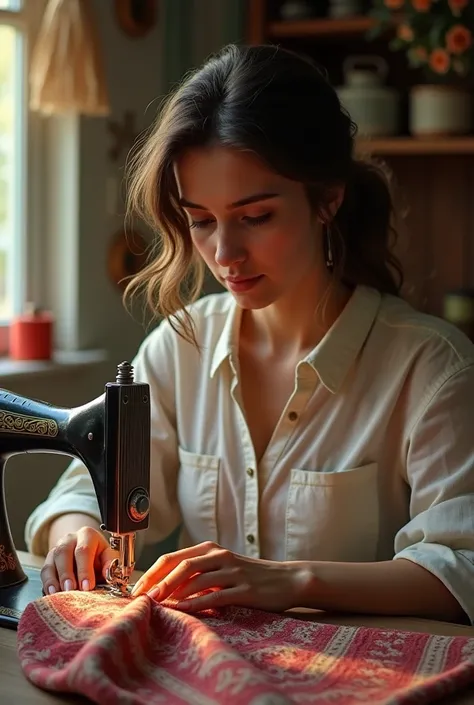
102	646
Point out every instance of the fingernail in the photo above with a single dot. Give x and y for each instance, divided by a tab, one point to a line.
85	585
51	589
68	585
154	593
137	588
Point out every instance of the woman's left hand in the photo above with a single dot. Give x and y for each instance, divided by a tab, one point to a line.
230	578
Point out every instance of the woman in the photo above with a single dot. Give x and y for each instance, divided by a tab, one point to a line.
310	430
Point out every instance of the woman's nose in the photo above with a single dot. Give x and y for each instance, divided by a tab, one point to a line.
228	250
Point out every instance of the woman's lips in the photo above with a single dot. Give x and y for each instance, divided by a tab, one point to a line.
240	285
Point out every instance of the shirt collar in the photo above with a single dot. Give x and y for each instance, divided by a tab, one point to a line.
332	358
227	345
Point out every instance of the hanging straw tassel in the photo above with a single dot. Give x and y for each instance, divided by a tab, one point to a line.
66	72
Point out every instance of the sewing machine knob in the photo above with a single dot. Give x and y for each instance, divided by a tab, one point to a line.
139	504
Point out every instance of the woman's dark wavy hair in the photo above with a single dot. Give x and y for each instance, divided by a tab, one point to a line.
280	106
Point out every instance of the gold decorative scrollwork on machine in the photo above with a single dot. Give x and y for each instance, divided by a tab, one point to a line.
30	425
7	562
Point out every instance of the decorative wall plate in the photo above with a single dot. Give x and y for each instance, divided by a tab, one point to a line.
136	17
126	257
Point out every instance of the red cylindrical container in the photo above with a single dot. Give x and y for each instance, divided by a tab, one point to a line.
31	335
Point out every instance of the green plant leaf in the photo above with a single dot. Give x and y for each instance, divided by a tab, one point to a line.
382	14
415	60
397	44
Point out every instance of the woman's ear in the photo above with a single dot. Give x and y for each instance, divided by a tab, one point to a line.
335	197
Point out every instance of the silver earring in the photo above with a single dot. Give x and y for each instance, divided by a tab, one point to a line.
329	252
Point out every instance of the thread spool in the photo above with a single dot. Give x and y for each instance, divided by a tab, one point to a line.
31	335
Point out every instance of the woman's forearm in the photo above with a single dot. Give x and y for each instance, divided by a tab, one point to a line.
398	587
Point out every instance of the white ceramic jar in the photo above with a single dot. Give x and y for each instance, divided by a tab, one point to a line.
344	8
373	106
440	110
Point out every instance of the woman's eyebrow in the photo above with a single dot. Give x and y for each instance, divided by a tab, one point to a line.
255	198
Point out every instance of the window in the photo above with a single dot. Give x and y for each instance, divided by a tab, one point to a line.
13	171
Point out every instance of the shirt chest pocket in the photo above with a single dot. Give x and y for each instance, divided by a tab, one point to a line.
198	479
333	516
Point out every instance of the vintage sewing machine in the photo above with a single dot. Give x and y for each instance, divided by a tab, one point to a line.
111	436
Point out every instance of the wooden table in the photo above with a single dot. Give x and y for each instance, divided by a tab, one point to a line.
16	690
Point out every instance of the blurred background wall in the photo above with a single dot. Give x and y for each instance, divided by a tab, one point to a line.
85	211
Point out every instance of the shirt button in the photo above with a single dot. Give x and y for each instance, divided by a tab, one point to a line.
250	472
292	415
251	538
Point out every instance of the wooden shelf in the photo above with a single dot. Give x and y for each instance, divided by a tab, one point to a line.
406	146
320	27
429	174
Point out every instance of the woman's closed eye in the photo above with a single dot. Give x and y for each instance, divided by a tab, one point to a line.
258	220
201	223
253	221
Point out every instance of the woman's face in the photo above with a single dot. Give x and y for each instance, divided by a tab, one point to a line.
253	228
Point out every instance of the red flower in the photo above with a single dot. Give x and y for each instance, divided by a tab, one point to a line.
422	5
458	39
405	33
440	61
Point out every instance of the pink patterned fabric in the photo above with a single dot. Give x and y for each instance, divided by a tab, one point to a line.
137	652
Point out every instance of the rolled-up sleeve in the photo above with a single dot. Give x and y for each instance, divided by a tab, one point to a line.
74	491
440	471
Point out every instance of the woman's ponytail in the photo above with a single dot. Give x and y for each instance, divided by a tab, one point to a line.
362	230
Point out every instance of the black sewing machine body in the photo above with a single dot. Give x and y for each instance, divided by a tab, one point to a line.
110	435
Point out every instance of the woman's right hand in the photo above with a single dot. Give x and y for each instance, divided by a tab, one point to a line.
76	561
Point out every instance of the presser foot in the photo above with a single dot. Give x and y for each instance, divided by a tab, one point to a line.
115	580
112	590
117	576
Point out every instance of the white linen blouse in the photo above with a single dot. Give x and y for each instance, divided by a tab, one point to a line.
372	458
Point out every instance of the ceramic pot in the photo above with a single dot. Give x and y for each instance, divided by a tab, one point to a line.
439	111
373	106
344	8
295	10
